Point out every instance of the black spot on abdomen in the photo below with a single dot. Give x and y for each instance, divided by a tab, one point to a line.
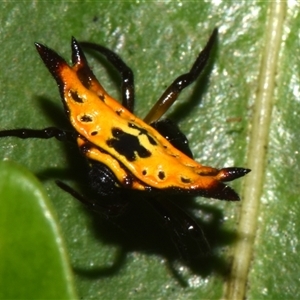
143	131
86	118
161	175
127	145
75	96
185	180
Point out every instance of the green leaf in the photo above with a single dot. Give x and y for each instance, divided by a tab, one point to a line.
34	263
243	111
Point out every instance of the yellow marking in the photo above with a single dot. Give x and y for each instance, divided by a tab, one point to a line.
164	157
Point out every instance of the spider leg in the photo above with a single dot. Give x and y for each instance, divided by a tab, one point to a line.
122	68
46	133
107	208
181	82
180	226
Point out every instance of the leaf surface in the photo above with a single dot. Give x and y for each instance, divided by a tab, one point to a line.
243	111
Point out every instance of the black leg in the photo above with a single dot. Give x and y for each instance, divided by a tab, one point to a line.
123	69
180	226
46	133
110	208
181	82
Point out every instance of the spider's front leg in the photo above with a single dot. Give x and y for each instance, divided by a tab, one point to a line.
125	72
46	133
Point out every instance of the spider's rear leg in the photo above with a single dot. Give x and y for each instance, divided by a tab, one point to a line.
172	92
106	197
106	208
181	227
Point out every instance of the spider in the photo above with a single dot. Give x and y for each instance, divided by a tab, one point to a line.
127	156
